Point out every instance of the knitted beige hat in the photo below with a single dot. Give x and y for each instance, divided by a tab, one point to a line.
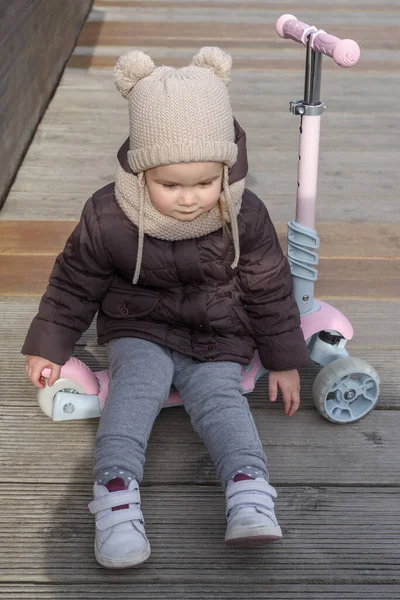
175	116
178	115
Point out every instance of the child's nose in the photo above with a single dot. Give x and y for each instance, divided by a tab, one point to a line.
188	199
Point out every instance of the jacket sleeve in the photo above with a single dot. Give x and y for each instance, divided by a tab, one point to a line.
267	292
78	282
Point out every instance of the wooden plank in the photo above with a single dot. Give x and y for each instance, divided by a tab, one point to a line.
324	5
199	591
338	240
292	54
338	278
332	22
34	238
340	8
332	535
107	62
245	34
359	278
25	275
301	449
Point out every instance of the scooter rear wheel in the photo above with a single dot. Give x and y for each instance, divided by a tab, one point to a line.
346	390
45	396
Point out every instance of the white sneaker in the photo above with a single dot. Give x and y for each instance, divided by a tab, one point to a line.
250	513
120	540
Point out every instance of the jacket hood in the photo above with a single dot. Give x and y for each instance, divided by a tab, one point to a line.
237	172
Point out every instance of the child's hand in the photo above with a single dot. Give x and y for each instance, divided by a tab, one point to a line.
289	384
34	368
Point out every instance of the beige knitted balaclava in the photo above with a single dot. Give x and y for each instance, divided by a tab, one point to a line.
176	116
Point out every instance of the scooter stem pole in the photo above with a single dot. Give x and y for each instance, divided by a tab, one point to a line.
312	82
308	170
303	241
309	142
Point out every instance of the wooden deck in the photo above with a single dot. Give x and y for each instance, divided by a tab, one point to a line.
338	486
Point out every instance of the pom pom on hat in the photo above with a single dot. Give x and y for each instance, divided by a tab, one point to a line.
131	68
216	60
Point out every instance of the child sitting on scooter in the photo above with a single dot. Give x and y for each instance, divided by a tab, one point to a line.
186	271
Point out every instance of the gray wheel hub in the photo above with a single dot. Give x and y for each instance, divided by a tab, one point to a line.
358	389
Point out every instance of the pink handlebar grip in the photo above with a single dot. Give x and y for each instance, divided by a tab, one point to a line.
288	26
345	53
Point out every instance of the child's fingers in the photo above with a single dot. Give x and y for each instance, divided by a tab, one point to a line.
54	375
35	376
287	401
295	403
30	371
273	388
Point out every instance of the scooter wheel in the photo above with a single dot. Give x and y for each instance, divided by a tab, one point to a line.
346	390
45	396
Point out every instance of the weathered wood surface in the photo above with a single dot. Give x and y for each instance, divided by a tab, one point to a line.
323	530
199	591
338	486
301	449
359	155
36	40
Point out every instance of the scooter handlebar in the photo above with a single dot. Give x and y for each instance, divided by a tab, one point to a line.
345	53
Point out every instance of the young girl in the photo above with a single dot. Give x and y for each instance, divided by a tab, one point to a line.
185	268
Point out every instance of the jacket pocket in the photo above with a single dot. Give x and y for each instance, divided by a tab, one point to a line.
241	320
122	305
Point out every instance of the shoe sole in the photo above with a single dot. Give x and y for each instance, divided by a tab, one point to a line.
122	563
252	541
260	535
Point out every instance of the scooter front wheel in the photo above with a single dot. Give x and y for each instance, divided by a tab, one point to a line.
46	395
346	390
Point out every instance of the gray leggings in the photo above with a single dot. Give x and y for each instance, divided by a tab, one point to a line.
141	374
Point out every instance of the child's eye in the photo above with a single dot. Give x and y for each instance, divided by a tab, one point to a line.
169	186
205	183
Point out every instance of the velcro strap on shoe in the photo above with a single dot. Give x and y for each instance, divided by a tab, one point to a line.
119	516
114	499
256	500
253	485
256	493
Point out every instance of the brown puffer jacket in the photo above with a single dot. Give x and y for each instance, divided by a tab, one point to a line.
188	298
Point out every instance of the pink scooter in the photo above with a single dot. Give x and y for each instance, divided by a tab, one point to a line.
346	388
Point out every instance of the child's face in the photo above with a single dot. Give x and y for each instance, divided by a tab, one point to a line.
186	190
